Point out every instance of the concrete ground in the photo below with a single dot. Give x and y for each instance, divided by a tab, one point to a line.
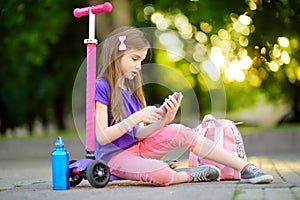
25	173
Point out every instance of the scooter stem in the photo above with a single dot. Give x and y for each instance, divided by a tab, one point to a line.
91	43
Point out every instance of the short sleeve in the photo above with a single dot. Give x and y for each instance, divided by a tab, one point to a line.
102	91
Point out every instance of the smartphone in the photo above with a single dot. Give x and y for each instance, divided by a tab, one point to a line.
175	95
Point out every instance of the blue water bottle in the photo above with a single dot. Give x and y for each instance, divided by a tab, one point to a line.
60	166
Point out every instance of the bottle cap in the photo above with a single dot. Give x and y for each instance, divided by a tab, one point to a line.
59	141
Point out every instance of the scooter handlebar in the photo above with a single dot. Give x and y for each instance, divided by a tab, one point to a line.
79	12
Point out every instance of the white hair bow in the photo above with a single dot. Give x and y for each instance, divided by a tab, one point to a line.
122	46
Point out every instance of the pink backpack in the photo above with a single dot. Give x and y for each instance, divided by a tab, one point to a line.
225	134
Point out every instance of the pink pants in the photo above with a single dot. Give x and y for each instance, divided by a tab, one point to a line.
141	162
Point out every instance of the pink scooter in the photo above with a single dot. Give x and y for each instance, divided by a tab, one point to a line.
95	171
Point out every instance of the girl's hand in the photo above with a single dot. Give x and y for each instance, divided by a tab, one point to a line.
150	114
171	106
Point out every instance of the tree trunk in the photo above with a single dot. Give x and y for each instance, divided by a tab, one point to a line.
59	113
120	16
296	103
294	115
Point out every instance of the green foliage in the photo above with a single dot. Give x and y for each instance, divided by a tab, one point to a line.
41	50
36	43
275	70
272	20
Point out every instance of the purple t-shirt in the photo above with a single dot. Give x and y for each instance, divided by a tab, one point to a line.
131	105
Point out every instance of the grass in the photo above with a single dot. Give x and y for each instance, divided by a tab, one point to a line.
236	193
279	128
18	185
295	196
38	182
39	135
73	133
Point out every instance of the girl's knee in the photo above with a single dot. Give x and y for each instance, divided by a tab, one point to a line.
182	136
173	129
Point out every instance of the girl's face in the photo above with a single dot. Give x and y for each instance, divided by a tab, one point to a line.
131	61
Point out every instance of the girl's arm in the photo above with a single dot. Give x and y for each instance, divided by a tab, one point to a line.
151	115
106	134
145	131
171	105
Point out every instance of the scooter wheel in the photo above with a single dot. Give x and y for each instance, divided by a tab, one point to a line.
98	174
74	178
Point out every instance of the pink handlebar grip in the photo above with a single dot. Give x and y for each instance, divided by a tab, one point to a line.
79	12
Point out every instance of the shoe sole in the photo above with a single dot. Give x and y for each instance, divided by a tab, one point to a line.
257	180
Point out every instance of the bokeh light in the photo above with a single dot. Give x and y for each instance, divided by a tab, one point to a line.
223	53
274	66
283	41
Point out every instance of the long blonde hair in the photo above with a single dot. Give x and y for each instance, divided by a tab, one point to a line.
111	70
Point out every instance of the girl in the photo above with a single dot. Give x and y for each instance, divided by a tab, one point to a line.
132	137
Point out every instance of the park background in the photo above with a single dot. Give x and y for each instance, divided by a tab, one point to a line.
253	44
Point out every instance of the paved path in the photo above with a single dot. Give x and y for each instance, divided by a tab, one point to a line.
29	177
